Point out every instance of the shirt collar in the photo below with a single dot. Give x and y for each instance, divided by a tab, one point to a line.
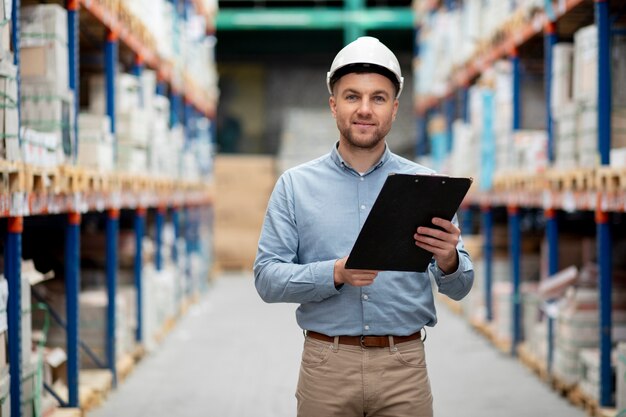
339	161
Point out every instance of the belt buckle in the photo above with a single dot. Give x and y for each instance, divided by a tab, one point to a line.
362	341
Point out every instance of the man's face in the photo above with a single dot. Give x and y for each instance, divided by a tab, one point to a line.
365	107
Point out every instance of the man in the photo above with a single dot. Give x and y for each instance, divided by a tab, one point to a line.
363	352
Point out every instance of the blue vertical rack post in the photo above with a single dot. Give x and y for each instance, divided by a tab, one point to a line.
73	7
175	254
110	66
161	87
465	112
138	67
550	39
140	226
159	222
175	99
487	227
602	219
12	271
450	112
187	228
605	284
13	254
515	254
514	217
603	24
552	234
112	236
72	290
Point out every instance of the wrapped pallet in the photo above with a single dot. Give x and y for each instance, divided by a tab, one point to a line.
243	186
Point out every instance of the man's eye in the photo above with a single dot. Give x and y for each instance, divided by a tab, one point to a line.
351	97
379	99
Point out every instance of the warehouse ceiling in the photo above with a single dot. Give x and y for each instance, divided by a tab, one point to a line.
266	30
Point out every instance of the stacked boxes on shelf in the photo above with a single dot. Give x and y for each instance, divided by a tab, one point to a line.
9	119
95	142
5	378
180	41
590	372
244	184
131	120
620	391
574	100
92	327
47	104
577	327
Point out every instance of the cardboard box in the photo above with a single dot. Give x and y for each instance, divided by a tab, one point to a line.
5	392
43	46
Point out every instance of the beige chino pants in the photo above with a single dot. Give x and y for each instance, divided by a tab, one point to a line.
351	381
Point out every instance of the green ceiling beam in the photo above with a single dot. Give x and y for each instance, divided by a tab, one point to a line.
319	18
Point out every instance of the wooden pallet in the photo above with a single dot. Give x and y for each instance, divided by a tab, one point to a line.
65	412
561	386
167	327
95	386
580	179
75	178
532	362
582	400
125	365
611	180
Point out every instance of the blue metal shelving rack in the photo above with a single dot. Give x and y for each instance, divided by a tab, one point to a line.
140	226
12	271
159	223
13	256
550	39
602	217
515	235
72	289
15	225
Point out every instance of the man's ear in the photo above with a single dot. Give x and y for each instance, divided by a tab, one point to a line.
333	106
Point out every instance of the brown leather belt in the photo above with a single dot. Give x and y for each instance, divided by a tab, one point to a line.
364	341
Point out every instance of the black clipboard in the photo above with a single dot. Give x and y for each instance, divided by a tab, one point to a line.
405	202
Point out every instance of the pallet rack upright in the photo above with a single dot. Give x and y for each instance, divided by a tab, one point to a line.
75	201
550	200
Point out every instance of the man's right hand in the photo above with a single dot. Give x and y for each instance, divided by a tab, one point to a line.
354	277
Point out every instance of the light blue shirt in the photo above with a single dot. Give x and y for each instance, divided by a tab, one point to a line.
313	218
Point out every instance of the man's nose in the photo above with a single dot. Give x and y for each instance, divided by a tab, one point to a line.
365	107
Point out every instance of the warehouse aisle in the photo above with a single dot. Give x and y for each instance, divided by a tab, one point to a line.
206	367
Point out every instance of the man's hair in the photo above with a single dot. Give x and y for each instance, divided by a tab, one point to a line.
364	69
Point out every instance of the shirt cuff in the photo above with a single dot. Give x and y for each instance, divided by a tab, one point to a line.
323	272
442	277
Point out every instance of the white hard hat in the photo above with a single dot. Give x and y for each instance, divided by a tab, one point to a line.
366	50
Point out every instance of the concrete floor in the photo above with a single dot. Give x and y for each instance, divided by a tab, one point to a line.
206	366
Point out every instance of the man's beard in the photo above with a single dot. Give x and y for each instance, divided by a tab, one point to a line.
369	142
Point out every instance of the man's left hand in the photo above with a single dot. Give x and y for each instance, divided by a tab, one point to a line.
442	243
